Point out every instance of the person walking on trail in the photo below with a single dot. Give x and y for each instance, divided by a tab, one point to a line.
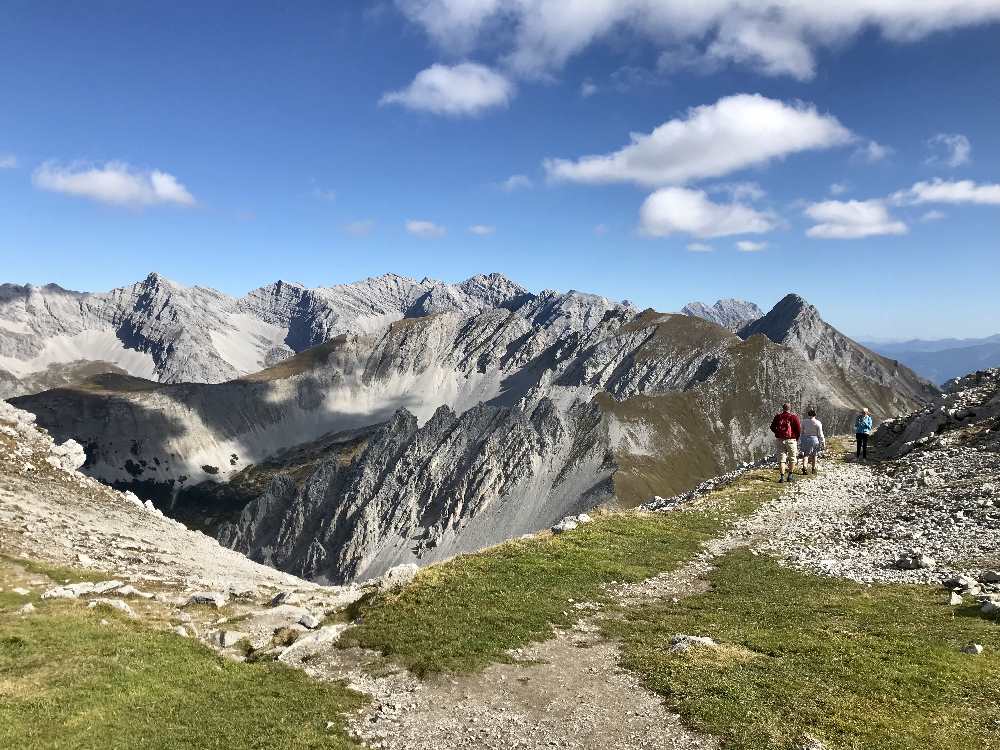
787	429
812	441
862	429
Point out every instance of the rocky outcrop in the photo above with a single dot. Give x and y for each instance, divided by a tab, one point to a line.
729	313
795	323
456	484
967	412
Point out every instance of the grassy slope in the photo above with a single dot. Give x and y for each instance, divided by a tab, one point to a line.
464	614
856	666
66	681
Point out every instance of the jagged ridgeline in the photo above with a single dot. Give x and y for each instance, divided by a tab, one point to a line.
404	421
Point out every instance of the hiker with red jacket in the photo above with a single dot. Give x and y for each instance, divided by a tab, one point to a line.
787	429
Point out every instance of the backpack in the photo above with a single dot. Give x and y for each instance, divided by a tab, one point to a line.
784	431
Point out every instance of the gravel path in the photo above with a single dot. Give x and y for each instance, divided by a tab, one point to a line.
856	522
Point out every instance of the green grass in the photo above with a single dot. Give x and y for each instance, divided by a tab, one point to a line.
465	613
858	667
58	573
68	682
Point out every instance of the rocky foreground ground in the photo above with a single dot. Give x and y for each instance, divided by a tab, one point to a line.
925	511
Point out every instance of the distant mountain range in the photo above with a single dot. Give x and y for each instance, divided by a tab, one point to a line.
941	360
336	432
728	313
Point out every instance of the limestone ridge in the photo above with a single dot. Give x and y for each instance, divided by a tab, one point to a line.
795	323
163	331
431	491
451	430
729	313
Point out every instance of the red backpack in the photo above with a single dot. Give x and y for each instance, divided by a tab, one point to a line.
783	427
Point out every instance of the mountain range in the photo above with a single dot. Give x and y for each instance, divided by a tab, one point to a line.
337	432
941	360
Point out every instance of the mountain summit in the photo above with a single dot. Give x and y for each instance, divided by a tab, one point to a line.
795	323
729	313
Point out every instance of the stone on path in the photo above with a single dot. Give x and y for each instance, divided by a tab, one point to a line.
211	598
973	648
681	642
113	603
397	577
226	638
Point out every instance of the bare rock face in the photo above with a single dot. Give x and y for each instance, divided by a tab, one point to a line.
456	484
795	323
731	314
163	331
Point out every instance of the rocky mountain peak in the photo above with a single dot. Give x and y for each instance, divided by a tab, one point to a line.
791	313
795	323
729	313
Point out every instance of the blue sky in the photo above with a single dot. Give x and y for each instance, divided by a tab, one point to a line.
853	152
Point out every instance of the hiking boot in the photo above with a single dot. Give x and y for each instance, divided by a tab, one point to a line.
804	471
781	479
814	469
791	477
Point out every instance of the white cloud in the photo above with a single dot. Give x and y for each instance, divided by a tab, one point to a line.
115	182
933	215
681	210
749	246
845	220
699	247
516	182
710	141
482	230
325	195
952	149
425	229
763	45
588	88
457	90
360	228
778	37
739	191
838	188
872	152
943	191
8	161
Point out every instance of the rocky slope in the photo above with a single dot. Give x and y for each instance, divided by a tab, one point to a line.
795	323
455	429
728	313
160	330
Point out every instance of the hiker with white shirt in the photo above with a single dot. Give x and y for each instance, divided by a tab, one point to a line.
811	441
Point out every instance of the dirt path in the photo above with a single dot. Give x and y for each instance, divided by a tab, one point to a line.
566	692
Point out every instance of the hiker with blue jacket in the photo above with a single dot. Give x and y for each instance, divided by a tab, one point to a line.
862	429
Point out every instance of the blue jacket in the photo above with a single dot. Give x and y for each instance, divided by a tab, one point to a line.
863	425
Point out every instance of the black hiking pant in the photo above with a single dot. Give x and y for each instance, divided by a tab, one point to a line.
862	438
